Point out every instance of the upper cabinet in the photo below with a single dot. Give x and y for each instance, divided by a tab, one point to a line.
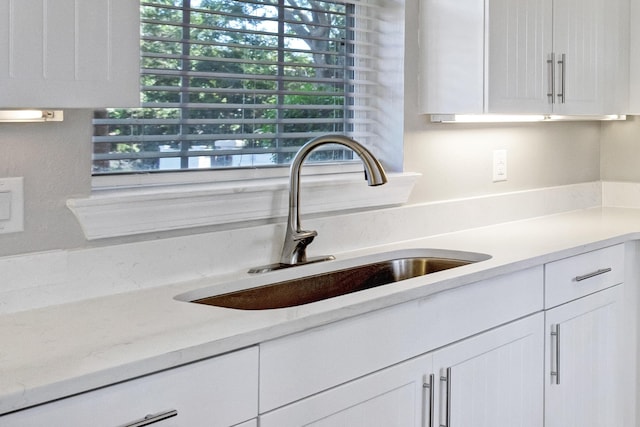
69	54
567	57
634	47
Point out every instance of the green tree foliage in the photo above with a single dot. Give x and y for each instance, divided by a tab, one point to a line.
209	71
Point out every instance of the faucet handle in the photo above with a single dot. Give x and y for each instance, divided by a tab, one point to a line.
305	235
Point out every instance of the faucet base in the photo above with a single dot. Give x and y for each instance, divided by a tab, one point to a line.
280	266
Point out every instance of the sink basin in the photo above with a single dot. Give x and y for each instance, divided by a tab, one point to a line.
317	287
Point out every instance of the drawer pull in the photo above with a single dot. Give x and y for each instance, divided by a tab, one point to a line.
430	385
593	274
555	355
154	418
446	379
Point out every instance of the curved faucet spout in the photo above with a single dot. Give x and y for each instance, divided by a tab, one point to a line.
297	239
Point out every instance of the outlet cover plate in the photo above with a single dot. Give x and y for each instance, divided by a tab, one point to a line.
11	205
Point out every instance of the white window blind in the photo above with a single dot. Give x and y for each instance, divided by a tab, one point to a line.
244	83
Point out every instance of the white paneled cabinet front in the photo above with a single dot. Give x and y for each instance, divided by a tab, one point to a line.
69	53
393	397
590	56
520	41
493	379
217	392
582	366
566	57
583	363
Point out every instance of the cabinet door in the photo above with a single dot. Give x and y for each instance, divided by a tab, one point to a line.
591	56
519	44
582	362
399	396
69	54
578	35
452	62
494	379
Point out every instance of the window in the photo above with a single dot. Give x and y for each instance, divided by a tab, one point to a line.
173	124
244	83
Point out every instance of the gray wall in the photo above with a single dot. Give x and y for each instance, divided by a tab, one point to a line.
456	160
620	150
54	159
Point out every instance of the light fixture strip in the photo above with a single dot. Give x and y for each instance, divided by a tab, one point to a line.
517	118
30	116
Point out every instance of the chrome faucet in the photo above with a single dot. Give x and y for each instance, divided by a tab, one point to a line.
296	239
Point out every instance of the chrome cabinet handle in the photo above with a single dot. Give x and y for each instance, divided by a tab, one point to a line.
447	414
551	94
593	274
555	354
153	418
562	95
429	384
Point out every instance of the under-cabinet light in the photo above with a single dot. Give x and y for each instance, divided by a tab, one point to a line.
30	116
514	118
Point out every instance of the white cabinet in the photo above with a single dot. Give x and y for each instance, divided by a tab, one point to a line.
565	57
300	365
583	360
591	54
392	397
519	42
493	379
634	53
218	392
581	373
69	54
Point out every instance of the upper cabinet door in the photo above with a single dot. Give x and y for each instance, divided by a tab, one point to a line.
591	45
519	46
578	44
591	56
69	53
451	56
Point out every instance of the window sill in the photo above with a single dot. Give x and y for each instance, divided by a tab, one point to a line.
124	212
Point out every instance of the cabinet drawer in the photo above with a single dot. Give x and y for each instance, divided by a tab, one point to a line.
220	392
577	276
308	362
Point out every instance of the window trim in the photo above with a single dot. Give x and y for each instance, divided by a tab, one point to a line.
118	212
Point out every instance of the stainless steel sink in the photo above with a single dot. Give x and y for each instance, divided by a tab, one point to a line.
317	287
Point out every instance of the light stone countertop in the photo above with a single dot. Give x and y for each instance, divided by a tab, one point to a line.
62	350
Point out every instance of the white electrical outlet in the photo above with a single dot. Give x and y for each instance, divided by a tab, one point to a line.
11	205
499	165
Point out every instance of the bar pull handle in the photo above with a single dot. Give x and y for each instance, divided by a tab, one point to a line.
446	379
593	274
429	385
153	418
562	95
551	93
555	354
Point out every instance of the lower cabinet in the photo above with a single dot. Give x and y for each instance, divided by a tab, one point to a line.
492	379
582	365
455	359
217	392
